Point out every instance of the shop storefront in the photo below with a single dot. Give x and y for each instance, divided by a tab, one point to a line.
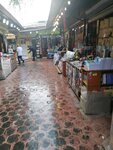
9	27
7	61
91	35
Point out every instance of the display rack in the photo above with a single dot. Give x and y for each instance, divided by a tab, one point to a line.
8	64
38	54
73	73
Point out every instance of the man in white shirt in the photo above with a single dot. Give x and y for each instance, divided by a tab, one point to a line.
19	53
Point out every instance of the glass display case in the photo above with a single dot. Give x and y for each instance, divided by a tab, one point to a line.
7	65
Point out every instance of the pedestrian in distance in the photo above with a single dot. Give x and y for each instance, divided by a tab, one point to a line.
33	50
19	54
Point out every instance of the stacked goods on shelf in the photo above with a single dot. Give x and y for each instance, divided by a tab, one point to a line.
106	32
69	72
74	76
107	79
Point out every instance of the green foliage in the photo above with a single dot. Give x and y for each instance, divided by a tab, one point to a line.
49	32
15	2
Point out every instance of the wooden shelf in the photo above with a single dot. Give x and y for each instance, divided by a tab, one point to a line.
92	79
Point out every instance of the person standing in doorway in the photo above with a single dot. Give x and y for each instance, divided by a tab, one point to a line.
19	54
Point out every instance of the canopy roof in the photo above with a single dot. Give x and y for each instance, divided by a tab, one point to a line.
55	8
77	10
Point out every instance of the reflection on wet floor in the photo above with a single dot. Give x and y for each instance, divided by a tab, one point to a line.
38	111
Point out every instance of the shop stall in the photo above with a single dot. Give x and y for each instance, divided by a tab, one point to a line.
73	72
97	86
91	32
93	84
7	65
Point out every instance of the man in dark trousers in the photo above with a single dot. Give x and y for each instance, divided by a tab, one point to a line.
33	50
19	54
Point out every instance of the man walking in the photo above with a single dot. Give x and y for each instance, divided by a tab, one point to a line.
19	54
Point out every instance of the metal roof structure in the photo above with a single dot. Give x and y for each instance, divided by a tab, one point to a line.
78	10
8	21
13	26
5	13
55	8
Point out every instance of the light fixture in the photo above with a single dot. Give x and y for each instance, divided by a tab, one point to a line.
65	8
81	26
69	2
36	31
11	25
54	29
56	16
61	13
56	23
7	22
4	20
59	17
30	32
14	26
73	29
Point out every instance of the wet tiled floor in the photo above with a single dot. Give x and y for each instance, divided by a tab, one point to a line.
38	111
